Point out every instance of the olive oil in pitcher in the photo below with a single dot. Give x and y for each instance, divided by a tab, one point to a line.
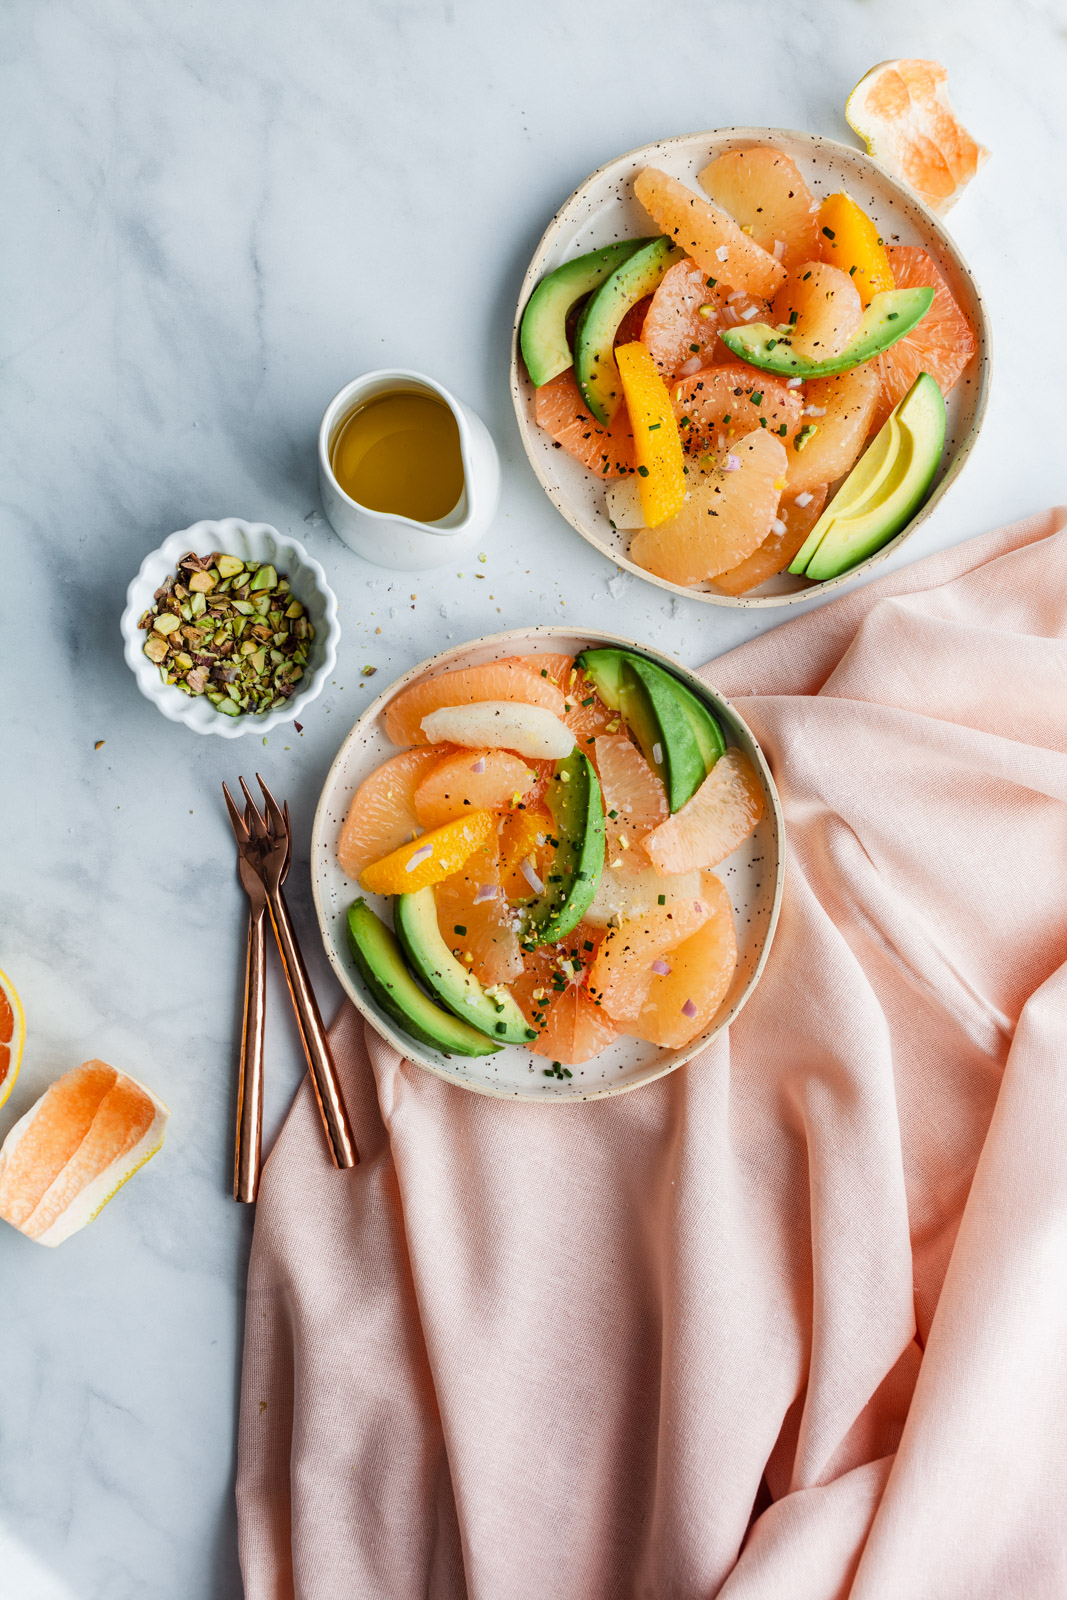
400	453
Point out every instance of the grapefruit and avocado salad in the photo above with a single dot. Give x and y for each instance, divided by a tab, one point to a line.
537	860
759	384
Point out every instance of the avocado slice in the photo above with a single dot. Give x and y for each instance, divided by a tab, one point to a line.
543	332
594	337
890	315
578	815
885	488
380	960
678	736
491	1010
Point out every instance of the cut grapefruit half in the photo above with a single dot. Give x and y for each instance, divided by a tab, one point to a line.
727	516
710	826
12	1035
763	191
460	686
941	344
561	411
682	1000
901	110
382	815
85	1137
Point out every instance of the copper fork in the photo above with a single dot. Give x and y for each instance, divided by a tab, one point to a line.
264	843
248	1138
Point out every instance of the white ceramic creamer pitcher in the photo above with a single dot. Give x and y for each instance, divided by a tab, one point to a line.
384	537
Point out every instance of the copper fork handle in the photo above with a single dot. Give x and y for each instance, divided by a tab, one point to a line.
249	1137
313	1035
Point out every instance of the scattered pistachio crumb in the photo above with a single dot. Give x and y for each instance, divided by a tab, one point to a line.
99	745
369	671
481	555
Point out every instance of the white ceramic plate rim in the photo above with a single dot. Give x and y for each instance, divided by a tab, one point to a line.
526	637
188	709
520	383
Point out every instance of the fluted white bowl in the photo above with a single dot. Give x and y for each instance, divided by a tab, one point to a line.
250	541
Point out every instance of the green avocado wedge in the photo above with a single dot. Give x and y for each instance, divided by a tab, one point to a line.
380	960
678	736
578	815
493	1011
890	315
543	331
885	488
594	337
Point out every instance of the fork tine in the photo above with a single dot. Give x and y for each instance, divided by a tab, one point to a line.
237	822
278	820
259	827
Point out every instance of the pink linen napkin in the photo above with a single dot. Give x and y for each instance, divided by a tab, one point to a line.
790	1324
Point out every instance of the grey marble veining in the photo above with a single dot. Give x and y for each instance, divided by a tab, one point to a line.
213	217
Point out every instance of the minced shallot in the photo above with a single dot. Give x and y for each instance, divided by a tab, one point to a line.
804	499
687	368
479	765
778	526
531	877
420	855
486	891
661	969
793	383
689	1009
732	464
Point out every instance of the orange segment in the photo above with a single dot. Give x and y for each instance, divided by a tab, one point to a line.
838	416
428	859
633	792
382	814
524	836
682	1001
561	411
763	190
657	447
788	532
719	405
849	239
681	328
901	109
461	686
710	826
480	929
706	234
471	780
821	305
12	1035
727	516
941	344
555	1000
622	971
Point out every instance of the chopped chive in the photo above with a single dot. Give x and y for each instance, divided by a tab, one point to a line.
588	945
852	272
829	232
892	316
793	318
713	281
653	426
613	815
726	419
756	397
783	430
695	349
460	929
805	278
544	673
590	700
642	472
771	343
662	899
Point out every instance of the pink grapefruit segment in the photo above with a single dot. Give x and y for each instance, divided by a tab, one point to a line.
710	826
681	1002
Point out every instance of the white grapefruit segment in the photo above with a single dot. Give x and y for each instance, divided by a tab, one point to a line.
62	1162
624	893
530	731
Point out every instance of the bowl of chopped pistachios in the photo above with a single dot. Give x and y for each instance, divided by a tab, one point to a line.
230	626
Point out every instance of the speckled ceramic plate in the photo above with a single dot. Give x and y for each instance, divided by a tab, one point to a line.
753	876
603	209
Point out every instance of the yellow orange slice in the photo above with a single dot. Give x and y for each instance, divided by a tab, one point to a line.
719	405
471	780
622	971
62	1162
727	516
941	344
763	190
496	680
901	110
561	411
12	1035
708	236
657	447
710	826
849	239
788	531
431	857
838	416
382	814
681	1001
822	307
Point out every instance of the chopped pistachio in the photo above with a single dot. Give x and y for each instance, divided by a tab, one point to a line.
229	566
294	609
167	623
202	582
155	648
265	578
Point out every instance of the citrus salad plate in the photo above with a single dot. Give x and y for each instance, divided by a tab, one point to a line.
548	866
747	363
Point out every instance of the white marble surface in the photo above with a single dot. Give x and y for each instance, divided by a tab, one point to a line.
213	216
